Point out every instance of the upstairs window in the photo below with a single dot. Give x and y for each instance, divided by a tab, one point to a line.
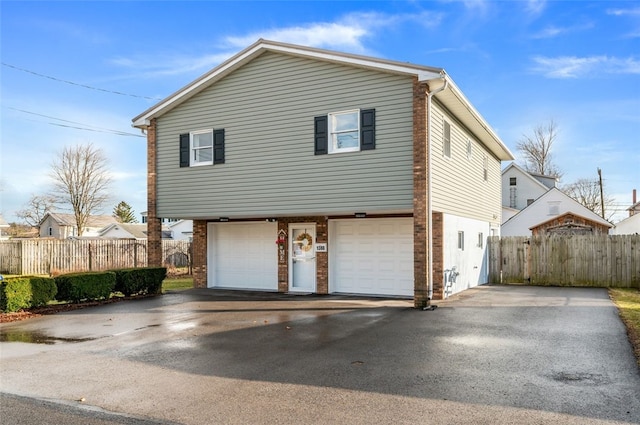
512	181
345	131
461	240
446	141
202	147
469	149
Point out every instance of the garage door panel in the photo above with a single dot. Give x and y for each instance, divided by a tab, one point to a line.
243	256
379	250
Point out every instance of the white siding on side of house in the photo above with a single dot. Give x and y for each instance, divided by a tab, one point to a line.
267	109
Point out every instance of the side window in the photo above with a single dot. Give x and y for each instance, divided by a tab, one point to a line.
485	169
469	149
202	147
346	131
446	140
461	240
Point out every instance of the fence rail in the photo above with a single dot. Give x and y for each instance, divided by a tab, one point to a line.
566	260
46	256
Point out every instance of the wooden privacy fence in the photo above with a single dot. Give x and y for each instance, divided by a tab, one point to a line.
46	256
566	260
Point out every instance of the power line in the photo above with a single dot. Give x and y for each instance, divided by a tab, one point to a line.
85	126
77	84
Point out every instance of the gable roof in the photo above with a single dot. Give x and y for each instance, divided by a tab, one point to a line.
569	213
571	205
451	97
70	220
136	230
527	174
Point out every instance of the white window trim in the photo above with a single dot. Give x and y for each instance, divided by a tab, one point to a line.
444	140
469	149
192	161
332	149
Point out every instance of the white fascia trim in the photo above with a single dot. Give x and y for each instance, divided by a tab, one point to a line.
143	120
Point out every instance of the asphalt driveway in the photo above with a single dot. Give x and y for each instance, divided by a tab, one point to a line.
493	354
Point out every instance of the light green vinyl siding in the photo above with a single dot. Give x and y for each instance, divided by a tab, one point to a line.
267	109
458	184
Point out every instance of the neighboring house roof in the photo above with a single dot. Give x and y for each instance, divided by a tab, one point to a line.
61	219
528	175
136	230
451	97
538	213
3	222
570	223
634	207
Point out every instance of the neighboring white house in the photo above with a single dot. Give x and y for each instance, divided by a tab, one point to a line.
631	224
181	230
553	204
63	226
520	188
130	231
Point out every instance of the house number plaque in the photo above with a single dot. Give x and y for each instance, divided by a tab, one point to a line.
321	247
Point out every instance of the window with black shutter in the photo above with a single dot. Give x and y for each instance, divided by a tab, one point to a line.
345	131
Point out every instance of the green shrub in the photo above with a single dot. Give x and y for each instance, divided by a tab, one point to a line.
145	280
85	286
22	292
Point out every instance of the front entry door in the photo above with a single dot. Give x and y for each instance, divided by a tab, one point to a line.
302	258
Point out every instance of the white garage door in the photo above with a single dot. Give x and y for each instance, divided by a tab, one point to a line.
243	256
371	256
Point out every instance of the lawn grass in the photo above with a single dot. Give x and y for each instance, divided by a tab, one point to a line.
177	283
628	302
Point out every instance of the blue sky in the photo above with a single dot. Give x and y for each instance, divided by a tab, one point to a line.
78	72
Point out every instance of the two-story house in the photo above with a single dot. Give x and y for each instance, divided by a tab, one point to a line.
313	171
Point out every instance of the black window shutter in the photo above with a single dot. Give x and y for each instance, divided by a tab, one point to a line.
321	135
367	129
218	146
184	150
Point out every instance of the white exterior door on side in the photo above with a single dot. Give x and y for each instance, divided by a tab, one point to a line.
242	255
372	256
302	257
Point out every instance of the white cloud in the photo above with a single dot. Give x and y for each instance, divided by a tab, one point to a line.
624	12
535	7
347	33
553	31
575	67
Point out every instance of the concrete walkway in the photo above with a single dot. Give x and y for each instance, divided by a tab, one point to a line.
493	354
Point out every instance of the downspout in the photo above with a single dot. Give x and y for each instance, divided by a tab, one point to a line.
429	206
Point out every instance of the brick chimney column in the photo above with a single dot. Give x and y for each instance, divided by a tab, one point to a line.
154	227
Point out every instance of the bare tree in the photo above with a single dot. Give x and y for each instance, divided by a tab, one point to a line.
81	179
587	192
36	208
536	150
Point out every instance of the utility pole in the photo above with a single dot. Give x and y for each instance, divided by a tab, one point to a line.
601	192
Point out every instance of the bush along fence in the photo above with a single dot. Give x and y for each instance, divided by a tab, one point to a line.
18	293
566	260
54	256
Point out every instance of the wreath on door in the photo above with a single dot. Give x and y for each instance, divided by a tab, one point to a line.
305	241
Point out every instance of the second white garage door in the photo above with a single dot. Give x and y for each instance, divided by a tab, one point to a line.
243	255
371	256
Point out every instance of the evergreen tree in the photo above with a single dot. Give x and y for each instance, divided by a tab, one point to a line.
124	213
